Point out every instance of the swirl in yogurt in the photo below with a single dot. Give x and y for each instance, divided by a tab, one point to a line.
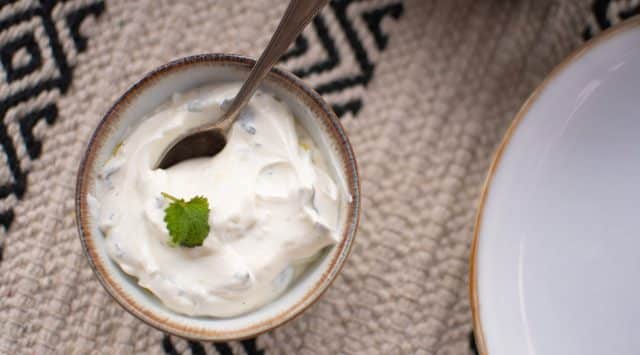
273	205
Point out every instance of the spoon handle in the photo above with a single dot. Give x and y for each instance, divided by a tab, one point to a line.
298	14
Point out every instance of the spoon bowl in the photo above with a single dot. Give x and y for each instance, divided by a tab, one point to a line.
201	143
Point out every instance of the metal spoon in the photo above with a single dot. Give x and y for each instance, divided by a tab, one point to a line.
210	139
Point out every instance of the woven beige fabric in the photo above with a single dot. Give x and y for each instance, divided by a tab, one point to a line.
444	86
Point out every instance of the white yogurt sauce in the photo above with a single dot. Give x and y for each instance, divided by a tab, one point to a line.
273	206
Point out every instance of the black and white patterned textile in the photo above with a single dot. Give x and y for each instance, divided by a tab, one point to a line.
36	70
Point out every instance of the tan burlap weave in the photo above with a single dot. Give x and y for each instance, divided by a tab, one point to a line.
441	82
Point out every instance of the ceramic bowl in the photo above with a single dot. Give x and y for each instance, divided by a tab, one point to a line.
140	99
555	263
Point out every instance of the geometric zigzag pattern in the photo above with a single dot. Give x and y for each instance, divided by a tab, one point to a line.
339	46
35	68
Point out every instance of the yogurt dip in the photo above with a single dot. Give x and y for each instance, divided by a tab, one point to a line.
273	205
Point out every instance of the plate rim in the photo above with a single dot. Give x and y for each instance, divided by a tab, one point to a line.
588	46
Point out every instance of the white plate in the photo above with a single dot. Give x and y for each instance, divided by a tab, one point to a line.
556	256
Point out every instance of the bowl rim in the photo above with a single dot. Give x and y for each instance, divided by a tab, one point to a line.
347	162
578	53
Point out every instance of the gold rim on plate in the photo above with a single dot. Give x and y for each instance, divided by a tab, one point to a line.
473	282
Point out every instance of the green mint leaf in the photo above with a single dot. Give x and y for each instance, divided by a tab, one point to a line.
187	221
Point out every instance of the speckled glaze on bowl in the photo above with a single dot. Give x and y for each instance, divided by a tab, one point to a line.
131	108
